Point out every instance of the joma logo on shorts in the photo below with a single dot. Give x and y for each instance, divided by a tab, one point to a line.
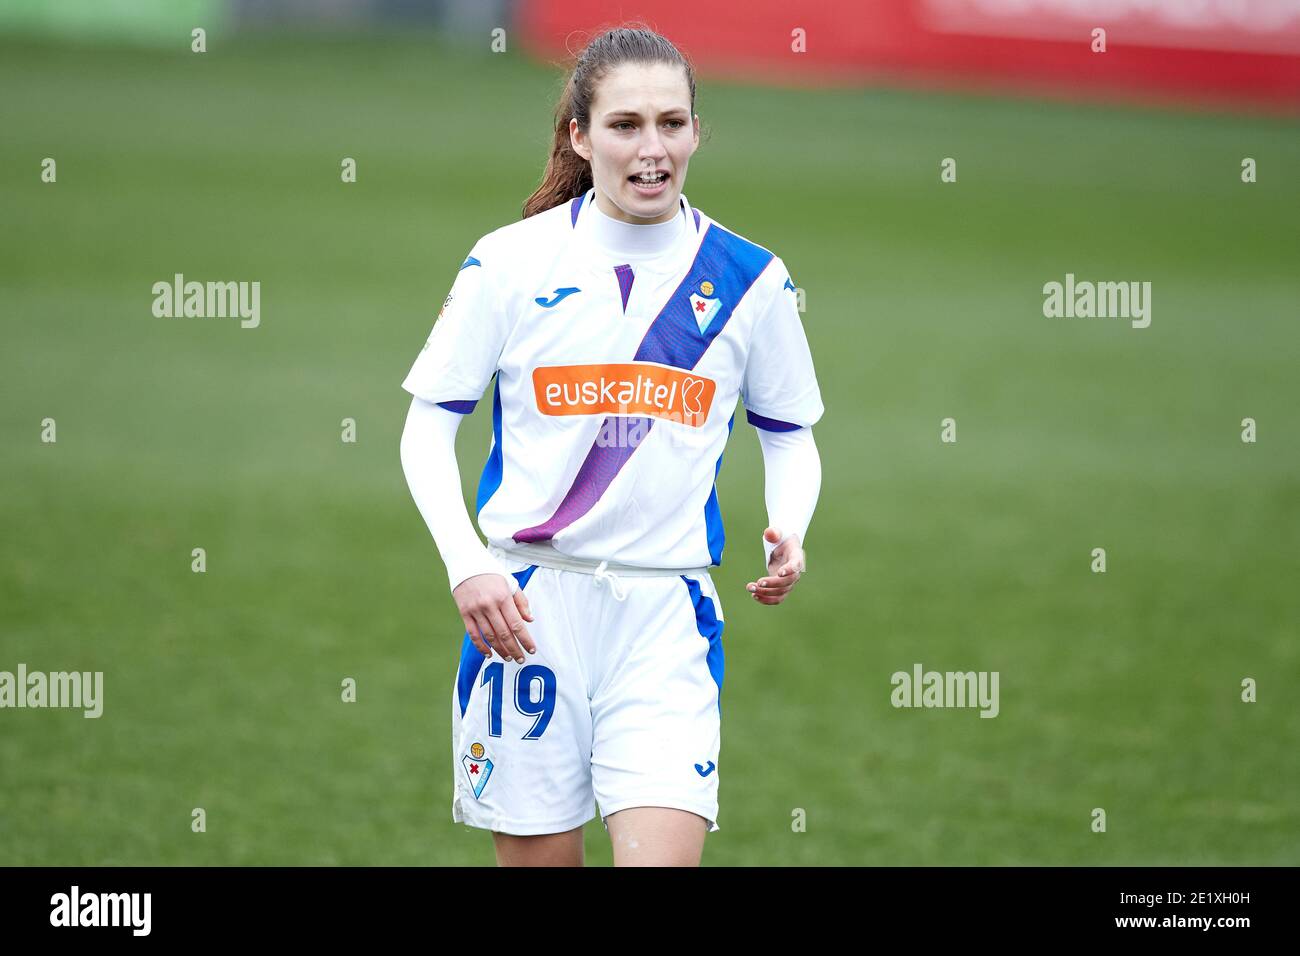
632	388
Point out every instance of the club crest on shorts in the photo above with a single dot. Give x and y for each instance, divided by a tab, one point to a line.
477	768
703	308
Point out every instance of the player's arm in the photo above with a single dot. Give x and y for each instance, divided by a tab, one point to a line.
792	473
489	600
783	401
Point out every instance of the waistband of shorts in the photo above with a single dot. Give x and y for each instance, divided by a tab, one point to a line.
547	556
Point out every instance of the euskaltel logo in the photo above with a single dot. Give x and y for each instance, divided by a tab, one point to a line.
628	388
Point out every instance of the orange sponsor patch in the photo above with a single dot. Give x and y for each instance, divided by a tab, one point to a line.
631	388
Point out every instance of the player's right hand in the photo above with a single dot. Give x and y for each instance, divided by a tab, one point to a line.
493	617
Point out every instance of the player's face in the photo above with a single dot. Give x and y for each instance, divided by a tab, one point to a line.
640	121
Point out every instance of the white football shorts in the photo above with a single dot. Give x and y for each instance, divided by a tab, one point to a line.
620	706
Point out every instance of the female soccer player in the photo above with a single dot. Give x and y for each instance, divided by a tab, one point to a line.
621	325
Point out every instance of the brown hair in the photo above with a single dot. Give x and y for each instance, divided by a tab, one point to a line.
567	174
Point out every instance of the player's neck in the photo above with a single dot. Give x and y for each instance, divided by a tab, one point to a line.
633	241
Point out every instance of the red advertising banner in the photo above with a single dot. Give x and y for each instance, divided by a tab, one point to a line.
1196	51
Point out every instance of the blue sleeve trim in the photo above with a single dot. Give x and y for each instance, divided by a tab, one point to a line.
770	424
463	406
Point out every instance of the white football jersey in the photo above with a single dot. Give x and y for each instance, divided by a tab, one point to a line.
616	383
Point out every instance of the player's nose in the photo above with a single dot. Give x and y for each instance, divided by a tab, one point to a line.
652	147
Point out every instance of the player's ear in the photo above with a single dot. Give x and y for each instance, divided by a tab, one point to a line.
577	141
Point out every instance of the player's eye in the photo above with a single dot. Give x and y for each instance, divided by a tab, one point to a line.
680	124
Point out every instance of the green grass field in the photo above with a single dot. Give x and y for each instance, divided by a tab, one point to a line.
222	690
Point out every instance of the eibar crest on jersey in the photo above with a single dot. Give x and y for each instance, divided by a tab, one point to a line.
477	768
704	309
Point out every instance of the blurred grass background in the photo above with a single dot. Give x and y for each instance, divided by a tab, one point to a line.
924	301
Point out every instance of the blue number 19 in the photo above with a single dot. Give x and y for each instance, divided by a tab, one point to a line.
543	709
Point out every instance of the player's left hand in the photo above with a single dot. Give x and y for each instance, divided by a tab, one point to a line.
785	567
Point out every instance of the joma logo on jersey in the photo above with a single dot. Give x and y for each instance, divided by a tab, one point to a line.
632	388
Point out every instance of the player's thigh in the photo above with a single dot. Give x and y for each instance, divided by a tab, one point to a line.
656	715
522	732
548	849
656	836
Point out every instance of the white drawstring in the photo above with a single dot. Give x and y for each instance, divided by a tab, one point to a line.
610	578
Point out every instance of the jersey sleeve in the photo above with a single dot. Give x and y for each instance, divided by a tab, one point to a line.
462	352
780	389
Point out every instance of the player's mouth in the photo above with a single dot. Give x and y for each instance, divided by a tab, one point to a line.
649	185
